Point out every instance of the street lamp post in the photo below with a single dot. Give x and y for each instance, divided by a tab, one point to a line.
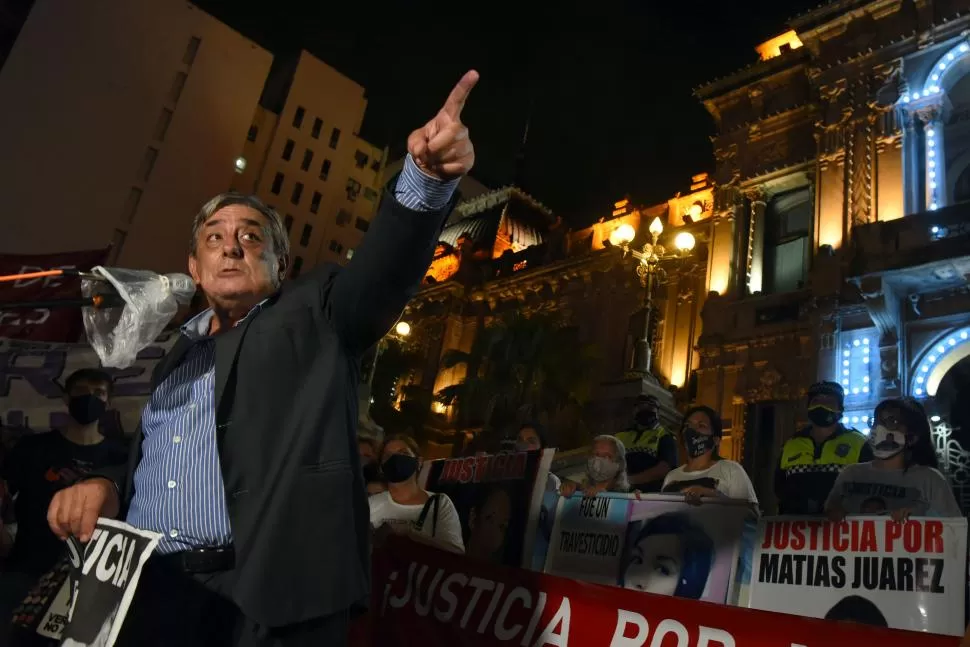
649	270
366	423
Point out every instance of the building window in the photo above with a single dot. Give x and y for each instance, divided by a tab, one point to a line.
288	222
131	204
353	189
297	193
350	253
325	169
253	131
317	127
161	126
298	117
177	86
190	52
148	163
305	235
307	159
334	138
370	194
288	149
788	224
360	159
277	184
315	202
336	247
362	224
297	266
343	217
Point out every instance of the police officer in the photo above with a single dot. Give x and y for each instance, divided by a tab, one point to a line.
812	458
651	450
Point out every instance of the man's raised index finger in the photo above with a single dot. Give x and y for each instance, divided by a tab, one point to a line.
456	100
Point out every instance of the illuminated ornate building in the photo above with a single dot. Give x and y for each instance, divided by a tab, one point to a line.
843	171
504	251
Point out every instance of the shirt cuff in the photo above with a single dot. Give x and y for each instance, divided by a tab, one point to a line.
421	192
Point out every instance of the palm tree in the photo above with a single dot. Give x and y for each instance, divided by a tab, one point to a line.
519	367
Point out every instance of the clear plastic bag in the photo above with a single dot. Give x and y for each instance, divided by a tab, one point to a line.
151	300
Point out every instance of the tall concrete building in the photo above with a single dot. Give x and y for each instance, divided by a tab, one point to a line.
302	155
118	120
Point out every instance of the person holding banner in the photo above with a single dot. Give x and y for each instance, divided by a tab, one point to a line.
605	469
531	438
706	474
245	460
405	506
903	478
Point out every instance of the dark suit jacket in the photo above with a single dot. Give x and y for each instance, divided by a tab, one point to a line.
286	408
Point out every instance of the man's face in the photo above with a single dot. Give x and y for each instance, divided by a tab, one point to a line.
826	400
234	256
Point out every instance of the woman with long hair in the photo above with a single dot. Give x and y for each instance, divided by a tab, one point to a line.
706	474
902	479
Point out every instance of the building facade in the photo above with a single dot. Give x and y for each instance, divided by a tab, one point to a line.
105	105
843	169
302	155
503	252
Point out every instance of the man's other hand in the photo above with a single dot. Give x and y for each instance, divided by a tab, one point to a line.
74	511
442	147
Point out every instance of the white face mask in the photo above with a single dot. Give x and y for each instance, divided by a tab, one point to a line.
601	469
886	443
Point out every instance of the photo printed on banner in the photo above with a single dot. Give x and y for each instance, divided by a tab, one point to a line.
103	580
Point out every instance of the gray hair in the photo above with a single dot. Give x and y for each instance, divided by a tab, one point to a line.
277	231
622	480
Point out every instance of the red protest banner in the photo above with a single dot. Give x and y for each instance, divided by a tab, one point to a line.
428	598
43	324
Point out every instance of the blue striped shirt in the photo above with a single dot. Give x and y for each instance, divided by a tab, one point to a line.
178	483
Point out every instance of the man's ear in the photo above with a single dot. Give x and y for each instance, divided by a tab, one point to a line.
194	269
284	264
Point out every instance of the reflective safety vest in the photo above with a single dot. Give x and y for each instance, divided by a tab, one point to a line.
810	470
646	441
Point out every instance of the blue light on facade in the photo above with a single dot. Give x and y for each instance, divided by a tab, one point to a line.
933	356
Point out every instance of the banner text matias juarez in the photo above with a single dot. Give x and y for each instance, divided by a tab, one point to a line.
881	570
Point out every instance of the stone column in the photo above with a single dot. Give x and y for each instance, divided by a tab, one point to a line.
934	187
912	164
756	241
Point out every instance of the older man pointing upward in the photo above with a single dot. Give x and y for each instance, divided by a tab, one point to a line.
246	457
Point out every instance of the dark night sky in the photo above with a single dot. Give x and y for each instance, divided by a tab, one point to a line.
609	82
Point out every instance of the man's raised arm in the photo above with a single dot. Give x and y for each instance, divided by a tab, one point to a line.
365	299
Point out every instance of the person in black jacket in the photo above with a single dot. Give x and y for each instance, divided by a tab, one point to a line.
245	459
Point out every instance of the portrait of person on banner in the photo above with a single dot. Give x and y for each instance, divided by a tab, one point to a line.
677	549
497	499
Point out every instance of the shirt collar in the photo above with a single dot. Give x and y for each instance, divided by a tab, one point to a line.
197	327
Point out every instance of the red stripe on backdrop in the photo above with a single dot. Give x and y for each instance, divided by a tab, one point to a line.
423	597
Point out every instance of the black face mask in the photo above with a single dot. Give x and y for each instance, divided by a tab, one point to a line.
646	418
399	467
822	416
86	409
696	443
372	473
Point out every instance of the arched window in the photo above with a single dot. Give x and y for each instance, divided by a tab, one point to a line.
956	141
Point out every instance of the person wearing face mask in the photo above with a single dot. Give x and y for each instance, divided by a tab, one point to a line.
532	437
706	474
605	469
812	459
408	508
651	450
42	464
903	475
